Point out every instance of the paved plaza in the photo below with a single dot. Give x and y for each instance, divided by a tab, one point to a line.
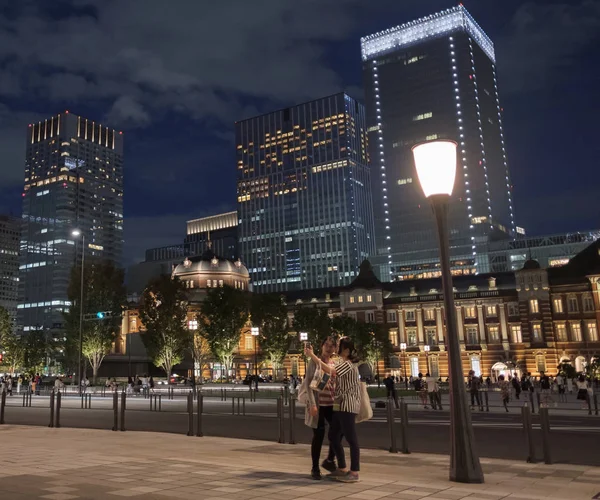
65	464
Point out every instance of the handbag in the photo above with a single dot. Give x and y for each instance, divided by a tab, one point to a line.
319	380
365	411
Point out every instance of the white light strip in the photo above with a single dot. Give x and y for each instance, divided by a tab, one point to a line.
436	25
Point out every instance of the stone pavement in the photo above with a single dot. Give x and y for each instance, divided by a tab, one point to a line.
65	464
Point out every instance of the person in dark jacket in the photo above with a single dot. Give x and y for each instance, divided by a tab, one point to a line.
391	389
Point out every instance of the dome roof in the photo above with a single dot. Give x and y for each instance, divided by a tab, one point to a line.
210	264
531	265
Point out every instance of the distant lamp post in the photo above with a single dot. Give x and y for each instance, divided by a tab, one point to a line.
435	162
403	351
427	348
255	333
304	338
77	233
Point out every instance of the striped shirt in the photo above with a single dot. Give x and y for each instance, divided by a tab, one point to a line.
326	396
347	388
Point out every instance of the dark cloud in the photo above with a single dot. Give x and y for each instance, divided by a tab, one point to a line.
543	41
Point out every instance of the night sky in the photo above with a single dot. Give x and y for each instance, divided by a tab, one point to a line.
175	75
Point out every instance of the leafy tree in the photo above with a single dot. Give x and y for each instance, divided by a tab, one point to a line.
200	351
163	313
223	314
103	291
567	370
11	345
35	347
269	313
315	322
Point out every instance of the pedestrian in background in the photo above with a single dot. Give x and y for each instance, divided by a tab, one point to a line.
433	390
391	389
504	386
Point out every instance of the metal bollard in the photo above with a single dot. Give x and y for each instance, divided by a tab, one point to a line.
225	394
58	406
596	403
233	406
2	406
244	405
279	415
539	400
531	401
190	413
545	425
24	395
123	406
292	415
404	426
390	421
51	424
487	401
588	400
116	411
287	395
526	413
200	410
160	402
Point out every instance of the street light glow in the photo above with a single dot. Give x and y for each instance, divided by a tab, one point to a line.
76	232
255	331
403	346
427	348
436	166
303	336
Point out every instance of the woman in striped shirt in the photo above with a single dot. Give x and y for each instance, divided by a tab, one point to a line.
346	407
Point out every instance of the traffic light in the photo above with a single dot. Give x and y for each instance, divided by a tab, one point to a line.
100	315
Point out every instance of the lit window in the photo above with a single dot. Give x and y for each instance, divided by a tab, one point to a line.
411	336
220	282
393	335
540	361
369	298
536	332
360	298
352	299
391	316
414	367
470	312
423	116
493	334
573	307
515	333
491	311
249	344
410	315
592	329
431	336
478	220
476	365
588	303
534	306
576	332
402	182
558	306
472	335
561	332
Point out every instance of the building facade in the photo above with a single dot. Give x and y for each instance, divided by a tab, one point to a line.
220	231
435	78
304	199
510	323
10	231
73	180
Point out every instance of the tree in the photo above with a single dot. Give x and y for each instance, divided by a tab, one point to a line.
223	314
200	351
35	347
567	370
315	322
163	313
269	313
12	347
104	292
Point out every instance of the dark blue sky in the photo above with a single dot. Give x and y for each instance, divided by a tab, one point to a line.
175	79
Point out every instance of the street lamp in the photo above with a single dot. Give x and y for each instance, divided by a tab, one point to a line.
427	348
304	338
403	350
255	332
77	233
435	162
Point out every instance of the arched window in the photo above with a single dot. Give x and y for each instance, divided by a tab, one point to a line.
476	365
540	362
580	364
414	366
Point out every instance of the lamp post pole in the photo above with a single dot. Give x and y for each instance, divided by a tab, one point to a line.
427	348
403	350
436	168
77	232
255	332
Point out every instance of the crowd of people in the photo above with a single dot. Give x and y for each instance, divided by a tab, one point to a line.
28	383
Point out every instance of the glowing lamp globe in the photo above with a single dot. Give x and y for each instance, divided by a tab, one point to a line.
436	166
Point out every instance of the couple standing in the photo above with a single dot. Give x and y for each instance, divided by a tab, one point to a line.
337	402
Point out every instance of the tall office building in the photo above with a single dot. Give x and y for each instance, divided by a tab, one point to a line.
10	230
73	180
435	78
304	200
220	230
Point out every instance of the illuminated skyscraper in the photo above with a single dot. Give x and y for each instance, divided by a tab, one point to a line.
73	179
10	230
435	78
304	199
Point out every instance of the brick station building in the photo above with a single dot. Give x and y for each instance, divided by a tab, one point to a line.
514	322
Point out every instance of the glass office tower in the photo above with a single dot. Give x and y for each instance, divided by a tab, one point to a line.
73	180
10	230
304	198
435	78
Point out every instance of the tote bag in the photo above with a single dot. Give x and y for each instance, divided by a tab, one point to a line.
365	411
319	380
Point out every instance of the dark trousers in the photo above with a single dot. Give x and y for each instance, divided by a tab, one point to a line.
475	397
325	415
436	400
391	394
344	425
